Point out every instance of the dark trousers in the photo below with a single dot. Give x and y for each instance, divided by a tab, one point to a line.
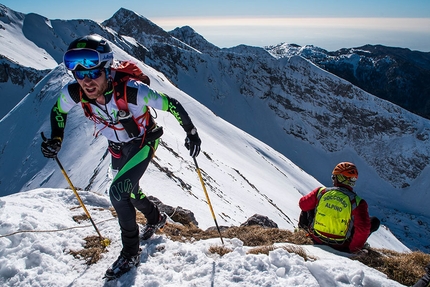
306	218
126	195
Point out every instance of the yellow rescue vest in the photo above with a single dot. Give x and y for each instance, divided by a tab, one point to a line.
333	220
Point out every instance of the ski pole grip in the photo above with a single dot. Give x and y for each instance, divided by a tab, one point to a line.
43	137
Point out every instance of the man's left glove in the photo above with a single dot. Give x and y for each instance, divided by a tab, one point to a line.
51	147
193	142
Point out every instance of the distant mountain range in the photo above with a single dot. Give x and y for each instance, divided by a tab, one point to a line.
395	74
289	97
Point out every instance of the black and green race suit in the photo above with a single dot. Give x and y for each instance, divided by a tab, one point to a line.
132	155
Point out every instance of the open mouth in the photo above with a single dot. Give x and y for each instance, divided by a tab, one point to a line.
90	90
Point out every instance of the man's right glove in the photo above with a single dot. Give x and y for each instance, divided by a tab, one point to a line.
51	147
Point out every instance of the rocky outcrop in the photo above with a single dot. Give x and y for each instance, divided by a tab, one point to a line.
261	220
18	75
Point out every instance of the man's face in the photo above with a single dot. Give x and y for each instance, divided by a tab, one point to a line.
94	88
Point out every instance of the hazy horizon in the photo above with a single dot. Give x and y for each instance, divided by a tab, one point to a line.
326	25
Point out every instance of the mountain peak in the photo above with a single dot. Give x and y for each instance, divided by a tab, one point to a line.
8	16
125	22
190	37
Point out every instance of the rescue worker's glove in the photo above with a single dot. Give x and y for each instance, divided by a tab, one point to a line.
193	142
51	147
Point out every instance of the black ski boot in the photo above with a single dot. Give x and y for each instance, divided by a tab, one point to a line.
122	265
150	229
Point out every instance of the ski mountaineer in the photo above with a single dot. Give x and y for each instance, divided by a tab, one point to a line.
337	216
132	135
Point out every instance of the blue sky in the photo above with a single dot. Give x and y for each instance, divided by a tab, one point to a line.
328	24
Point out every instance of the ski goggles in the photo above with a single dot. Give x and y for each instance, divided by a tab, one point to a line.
344	179
86	58
92	74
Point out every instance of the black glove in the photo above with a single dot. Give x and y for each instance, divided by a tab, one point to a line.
193	142
51	147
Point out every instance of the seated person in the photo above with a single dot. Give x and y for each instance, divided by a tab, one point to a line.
337	216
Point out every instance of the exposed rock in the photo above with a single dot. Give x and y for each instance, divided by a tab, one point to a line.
177	214
261	220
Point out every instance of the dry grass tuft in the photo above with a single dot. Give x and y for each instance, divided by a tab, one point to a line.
250	235
290	249
221	250
300	251
92	251
80	218
188	233
405	268
262	250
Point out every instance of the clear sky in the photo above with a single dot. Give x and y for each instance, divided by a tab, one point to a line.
329	24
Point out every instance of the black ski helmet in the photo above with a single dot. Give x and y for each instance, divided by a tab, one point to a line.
96	43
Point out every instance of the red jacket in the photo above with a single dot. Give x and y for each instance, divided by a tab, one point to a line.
361	230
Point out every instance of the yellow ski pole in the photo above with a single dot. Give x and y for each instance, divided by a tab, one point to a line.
207	197
104	241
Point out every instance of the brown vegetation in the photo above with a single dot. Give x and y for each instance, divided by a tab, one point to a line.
405	268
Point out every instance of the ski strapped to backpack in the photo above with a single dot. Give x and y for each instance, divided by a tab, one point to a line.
333	221
125	71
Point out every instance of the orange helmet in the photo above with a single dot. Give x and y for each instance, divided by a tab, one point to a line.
345	173
346	169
